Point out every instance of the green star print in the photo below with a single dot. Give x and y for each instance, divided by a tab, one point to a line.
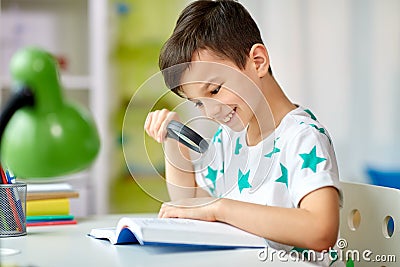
274	150
284	178
311	160
311	114
212	175
243	180
238	146
216	135
321	130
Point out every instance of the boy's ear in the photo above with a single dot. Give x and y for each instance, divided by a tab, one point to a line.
259	57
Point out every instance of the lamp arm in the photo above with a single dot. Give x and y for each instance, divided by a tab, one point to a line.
22	98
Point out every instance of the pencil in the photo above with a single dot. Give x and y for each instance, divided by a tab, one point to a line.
3	176
14	208
4	221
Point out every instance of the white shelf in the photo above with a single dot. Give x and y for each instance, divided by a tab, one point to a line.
74	30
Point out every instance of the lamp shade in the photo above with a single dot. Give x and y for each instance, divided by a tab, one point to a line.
53	137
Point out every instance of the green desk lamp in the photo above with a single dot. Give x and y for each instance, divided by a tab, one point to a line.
41	134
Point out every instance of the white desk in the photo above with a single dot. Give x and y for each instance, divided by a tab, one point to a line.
69	245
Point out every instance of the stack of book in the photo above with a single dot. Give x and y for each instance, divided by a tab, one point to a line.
49	204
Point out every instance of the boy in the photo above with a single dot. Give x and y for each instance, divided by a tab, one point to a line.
274	173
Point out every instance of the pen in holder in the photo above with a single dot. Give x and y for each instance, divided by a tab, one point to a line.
12	209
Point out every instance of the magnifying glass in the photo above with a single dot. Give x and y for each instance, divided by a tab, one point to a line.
186	136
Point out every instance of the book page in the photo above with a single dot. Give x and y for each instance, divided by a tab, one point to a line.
187	231
104	233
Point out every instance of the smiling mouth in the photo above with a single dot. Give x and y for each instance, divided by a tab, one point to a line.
229	116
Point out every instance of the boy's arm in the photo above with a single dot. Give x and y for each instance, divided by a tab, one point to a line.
314	225
178	166
179	173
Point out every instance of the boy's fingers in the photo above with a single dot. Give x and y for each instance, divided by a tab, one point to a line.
160	213
148	119
156	123
159	116
163	128
171	116
148	122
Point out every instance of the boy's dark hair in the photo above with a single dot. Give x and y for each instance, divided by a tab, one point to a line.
223	26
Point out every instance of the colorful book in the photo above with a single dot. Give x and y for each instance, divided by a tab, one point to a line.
50	191
51	195
51	223
172	231
44	218
58	206
47	220
49	187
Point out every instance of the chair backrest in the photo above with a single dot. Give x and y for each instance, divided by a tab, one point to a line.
369	225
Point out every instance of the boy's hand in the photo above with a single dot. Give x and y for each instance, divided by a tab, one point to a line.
156	123
204	209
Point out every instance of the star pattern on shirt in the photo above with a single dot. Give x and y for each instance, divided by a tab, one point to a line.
311	160
284	177
243	180
216	137
311	114
238	146
212	175
303	251
321	130
222	170
274	150
333	255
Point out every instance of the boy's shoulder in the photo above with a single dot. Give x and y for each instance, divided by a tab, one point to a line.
302	123
301	115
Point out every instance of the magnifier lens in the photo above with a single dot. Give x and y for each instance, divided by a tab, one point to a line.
187	136
189	141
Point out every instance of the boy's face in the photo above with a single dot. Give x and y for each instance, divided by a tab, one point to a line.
222	91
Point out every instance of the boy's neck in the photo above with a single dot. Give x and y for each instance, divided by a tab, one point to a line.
279	103
279	106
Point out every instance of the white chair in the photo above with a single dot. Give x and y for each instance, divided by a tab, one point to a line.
369	225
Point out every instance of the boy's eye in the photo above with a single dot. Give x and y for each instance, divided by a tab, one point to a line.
216	90
198	104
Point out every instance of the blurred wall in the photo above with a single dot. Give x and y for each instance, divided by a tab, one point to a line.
138	30
342	60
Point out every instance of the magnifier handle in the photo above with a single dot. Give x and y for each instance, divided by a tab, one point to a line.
176	129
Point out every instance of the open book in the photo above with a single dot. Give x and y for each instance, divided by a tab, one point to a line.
154	231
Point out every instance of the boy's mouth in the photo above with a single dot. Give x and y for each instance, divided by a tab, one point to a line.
229	116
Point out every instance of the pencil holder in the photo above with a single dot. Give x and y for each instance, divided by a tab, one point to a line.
12	209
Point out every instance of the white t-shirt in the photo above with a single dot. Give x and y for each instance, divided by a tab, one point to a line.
295	160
